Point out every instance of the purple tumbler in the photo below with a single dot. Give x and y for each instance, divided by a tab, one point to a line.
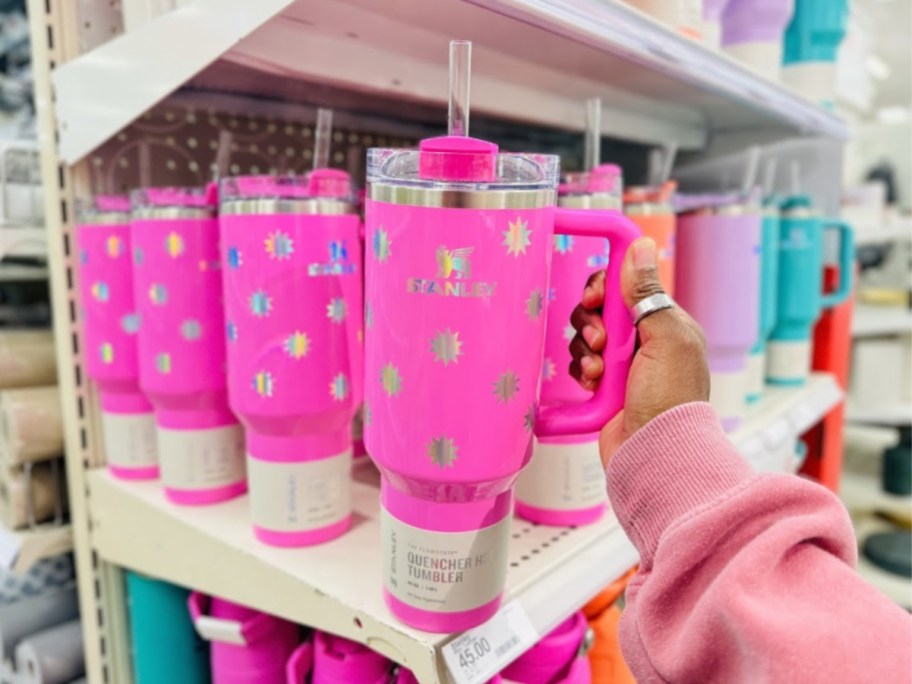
718	283
712	22
752	33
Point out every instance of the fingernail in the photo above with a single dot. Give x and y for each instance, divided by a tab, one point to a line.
586	364
644	254
590	334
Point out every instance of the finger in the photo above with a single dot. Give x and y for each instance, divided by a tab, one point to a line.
576	372
590	325
594	293
591	364
639	280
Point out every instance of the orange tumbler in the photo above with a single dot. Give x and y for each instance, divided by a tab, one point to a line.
651	210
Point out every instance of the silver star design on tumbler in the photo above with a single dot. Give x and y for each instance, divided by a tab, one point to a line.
442	451
446	347
534	304
516	237
506	387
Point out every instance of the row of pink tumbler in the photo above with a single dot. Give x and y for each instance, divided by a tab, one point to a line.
250	647
177	290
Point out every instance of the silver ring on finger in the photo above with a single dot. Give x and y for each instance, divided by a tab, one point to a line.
649	305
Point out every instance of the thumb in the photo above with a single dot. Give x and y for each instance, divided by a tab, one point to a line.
640	279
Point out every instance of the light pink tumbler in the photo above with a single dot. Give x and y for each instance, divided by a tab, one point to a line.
110	325
178	293
718	283
291	261
564	483
560	656
460	240
247	646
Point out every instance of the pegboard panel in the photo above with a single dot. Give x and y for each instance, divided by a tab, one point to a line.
99	22
176	143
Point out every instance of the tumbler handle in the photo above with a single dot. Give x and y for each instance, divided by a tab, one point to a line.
592	415
846	256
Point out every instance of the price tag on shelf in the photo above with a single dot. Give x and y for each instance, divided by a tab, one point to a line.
480	653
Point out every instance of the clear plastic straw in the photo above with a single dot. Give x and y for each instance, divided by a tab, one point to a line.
795	171
322	138
145	164
593	143
750	169
222	156
671	152
769	177
460	76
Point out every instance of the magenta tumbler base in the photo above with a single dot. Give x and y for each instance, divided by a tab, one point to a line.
308	538
203	497
143	473
440	623
545	516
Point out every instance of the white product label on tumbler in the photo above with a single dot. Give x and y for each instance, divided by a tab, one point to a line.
563	477
788	361
480	653
129	439
300	496
201	459
444	572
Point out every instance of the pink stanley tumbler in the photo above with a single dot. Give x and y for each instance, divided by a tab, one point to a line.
718	283
178	292
460	240
564	483
110	325
560	656
291	263
247	646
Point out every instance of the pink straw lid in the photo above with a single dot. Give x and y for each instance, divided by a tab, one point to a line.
202	197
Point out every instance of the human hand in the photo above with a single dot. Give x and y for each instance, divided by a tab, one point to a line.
668	369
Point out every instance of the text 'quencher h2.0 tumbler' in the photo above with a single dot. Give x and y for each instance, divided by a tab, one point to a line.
178	292
292	269
799	295
564	483
459	253
110	326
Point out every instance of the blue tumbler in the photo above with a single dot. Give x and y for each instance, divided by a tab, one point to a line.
769	284
811	42
800	299
166	647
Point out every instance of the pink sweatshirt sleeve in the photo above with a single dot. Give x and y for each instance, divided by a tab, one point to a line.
743	577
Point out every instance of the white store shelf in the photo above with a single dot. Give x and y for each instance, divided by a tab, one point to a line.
23	241
21	549
535	61
337	586
782	415
862	492
895	414
896	587
875	321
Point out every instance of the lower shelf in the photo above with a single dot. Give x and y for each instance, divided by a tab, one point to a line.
21	549
337	586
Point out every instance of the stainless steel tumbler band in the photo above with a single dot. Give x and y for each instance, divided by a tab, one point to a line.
649	305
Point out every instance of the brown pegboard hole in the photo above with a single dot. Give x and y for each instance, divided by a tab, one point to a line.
123	162
352	34
232	123
170	116
289	151
254	148
97	161
171	165
338	137
524	558
255	170
271	149
170	141
271	128
514	564
253	125
338	157
516	536
192	143
235	169
193	166
306	132
190	118
289	129
534	551
213	144
352	138
545	545
307	153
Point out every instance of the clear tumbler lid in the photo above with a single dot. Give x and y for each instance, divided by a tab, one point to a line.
195	199
462	163
605	179
321	183
103	209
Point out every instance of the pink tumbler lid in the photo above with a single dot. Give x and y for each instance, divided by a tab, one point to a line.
457	158
338	661
321	183
603	179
